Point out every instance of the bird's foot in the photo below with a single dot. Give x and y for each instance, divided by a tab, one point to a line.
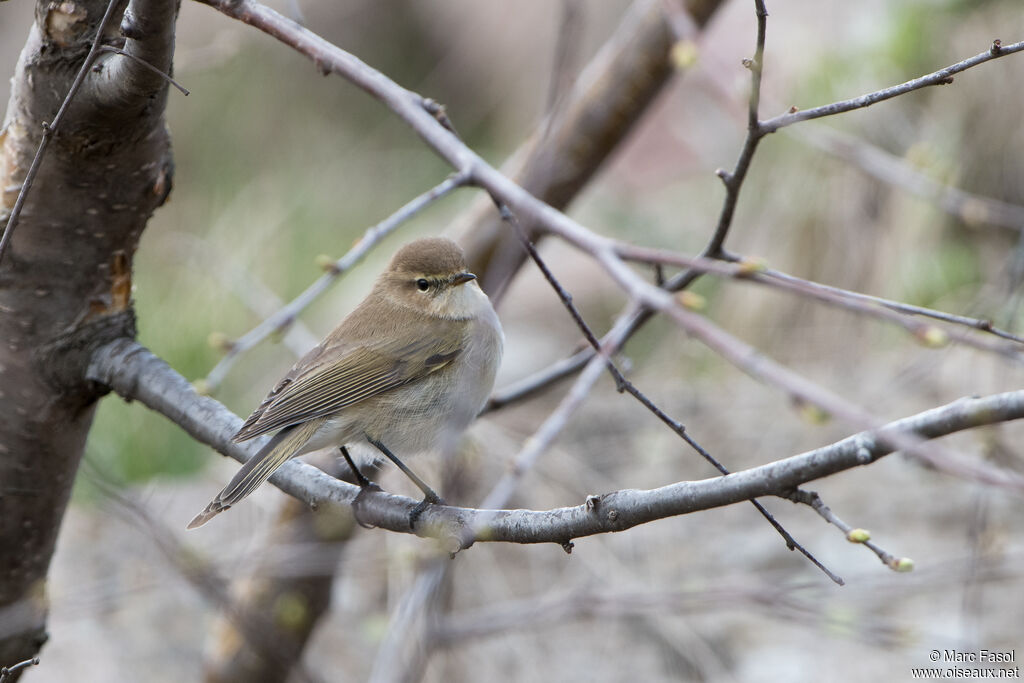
430	499
365	486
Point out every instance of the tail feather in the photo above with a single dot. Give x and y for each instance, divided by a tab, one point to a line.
259	468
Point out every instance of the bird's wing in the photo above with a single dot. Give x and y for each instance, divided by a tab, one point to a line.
329	379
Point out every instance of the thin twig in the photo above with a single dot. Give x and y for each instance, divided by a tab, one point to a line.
972	209
285	316
943	76
8	671
533	384
979	324
249	289
866	304
143	63
861	536
734	181
49	129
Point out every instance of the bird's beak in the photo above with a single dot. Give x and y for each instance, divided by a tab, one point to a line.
463	278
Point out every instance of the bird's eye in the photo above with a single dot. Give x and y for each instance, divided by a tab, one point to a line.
423	285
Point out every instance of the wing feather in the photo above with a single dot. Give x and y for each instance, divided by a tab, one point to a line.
329	379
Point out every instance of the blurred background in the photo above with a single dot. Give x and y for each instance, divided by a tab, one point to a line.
276	166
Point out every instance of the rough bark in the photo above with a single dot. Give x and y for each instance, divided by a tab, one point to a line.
65	282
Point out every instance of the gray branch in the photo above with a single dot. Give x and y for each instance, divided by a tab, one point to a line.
136	374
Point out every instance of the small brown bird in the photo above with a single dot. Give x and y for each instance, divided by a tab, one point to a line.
408	370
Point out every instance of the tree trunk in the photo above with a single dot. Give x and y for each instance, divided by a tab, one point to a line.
65	281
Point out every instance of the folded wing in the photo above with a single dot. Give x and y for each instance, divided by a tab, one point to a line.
324	383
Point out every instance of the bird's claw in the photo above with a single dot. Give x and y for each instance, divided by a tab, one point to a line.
416	512
364	488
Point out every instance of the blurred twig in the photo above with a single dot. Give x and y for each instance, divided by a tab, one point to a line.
285	316
971	208
403	654
566	54
529	614
259	630
293	601
574	139
249	289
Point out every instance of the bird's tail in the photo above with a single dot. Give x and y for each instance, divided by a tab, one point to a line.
258	468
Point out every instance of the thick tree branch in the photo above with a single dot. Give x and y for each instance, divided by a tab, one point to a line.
135	373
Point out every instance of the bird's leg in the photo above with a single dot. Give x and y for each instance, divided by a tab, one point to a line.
360	479
429	497
364	486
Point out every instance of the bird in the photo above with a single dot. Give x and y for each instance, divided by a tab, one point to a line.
407	370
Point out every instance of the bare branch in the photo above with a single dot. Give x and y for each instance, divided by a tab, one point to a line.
941	77
972	209
135	373
865	304
7	672
124	53
861	536
128	79
734	181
